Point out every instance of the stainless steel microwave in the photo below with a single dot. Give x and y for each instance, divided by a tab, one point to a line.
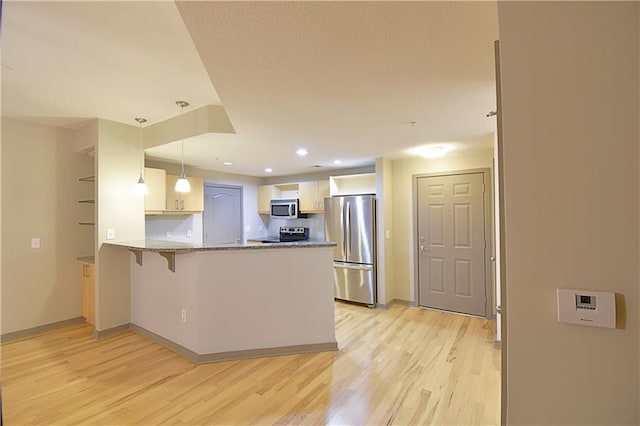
284	209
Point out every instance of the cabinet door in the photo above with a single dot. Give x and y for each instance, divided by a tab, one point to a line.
312	195
308	195
84	295
87	292
91	294
156	198
323	192
265	194
173	197
193	201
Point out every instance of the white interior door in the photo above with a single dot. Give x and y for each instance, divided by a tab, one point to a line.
451	243
222	214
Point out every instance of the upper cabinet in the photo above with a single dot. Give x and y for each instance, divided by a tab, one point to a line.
265	194
156	198
312	194
187	202
163	199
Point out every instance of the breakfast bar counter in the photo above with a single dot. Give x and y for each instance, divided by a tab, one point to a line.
233	301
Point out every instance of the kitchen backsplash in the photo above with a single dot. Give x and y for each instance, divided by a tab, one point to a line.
315	223
187	229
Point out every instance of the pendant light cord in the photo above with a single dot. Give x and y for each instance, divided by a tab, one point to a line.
182	142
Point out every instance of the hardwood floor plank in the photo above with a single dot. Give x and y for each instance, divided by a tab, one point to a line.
400	366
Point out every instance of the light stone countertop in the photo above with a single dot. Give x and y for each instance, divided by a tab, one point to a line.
163	246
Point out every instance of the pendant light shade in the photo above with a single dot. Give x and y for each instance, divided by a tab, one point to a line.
141	187
182	184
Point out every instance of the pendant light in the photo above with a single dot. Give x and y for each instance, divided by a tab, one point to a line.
141	187
182	184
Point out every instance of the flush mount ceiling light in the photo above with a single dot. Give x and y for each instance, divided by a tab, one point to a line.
228	163
302	152
268	170
182	184
337	162
141	187
432	150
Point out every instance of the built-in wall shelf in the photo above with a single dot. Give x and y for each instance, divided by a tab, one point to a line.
353	184
86	223
88	179
87	201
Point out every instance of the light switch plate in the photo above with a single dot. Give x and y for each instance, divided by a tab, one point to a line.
111	233
35	243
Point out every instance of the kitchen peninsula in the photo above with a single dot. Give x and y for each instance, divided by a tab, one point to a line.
217	303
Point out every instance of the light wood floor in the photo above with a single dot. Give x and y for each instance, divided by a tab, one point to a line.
399	366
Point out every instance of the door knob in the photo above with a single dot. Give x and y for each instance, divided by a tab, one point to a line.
421	248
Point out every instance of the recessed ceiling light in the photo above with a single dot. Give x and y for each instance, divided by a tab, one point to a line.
228	163
268	170
337	162
302	152
432	150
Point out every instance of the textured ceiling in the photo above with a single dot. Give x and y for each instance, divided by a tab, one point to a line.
67	61
342	79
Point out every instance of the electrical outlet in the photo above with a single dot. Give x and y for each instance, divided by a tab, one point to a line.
35	243
188	232
183	315
168	234
247	228
111	233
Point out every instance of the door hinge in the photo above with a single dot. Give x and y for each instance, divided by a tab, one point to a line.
483	188
485	243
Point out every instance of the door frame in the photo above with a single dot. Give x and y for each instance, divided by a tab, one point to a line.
489	286
221	185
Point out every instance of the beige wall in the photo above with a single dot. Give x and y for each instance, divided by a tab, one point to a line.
384	199
39	199
119	158
403	208
571	137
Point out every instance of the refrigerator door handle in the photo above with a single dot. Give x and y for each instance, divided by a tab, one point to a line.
347	229
352	266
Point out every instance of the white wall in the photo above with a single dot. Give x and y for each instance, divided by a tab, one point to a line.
175	228
571	137
118	159
39	199
403	208
315	223
384	200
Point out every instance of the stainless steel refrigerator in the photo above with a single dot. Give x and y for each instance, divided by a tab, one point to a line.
350	221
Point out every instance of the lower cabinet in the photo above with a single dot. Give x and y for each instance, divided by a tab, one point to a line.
87	292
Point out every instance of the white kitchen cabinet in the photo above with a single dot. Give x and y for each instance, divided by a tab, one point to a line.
265	194
187	202
156	199
312	195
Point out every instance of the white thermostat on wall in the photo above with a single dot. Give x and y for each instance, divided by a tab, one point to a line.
584	307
